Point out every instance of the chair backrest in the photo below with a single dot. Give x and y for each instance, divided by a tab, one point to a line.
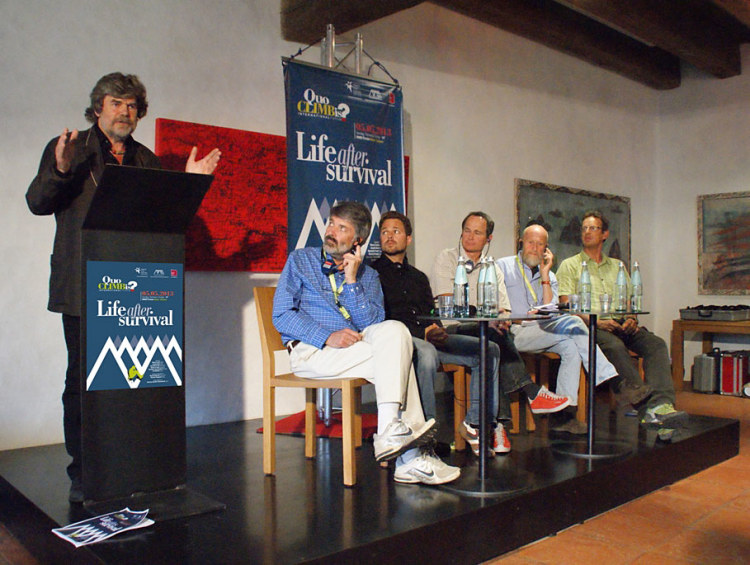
270	340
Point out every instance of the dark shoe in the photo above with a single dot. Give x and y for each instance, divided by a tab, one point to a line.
441	449
572	426
633	393
75	496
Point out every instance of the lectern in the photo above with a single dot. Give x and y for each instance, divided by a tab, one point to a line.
132	336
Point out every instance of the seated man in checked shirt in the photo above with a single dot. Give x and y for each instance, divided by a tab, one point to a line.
328	308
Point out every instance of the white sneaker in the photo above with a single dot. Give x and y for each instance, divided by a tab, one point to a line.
399	437
471	435
425	468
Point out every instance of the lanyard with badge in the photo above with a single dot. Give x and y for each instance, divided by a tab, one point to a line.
528	284
336	293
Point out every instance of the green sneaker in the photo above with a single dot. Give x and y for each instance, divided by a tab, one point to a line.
662	414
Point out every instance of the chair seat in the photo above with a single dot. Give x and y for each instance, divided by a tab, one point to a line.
292	380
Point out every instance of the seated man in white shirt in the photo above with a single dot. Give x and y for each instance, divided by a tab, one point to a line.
476	235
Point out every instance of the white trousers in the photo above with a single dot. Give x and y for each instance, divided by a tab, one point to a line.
383	357
567	336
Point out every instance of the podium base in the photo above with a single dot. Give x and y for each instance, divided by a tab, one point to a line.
162	505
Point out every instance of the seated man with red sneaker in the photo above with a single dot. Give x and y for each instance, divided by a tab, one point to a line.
530	283
476	234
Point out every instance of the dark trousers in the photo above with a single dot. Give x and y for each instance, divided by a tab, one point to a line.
656	363
513	375
71	397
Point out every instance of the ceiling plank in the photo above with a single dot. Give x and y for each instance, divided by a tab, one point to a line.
305	21
695	31
740	9
570	32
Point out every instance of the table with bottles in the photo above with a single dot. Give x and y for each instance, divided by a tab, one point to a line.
479	483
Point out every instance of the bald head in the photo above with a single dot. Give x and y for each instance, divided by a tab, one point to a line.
534	242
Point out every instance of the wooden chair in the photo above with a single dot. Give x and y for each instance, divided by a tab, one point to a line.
351	395
460	399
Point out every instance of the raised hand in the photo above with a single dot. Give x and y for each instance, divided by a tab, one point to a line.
65	149
205	166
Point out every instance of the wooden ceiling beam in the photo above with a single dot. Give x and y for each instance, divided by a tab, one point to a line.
305	21
570	32
695	31
739	9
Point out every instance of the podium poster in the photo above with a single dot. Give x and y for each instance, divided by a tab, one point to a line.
135	325
344	142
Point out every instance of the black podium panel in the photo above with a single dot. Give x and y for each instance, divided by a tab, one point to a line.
132	440
133	435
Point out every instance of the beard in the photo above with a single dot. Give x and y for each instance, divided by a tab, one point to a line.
532	261
334	248
394	250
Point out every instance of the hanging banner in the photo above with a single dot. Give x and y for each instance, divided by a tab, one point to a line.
134	325
344	142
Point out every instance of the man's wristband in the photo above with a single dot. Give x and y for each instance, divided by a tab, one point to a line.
546	282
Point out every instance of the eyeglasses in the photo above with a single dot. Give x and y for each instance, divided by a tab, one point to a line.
590	228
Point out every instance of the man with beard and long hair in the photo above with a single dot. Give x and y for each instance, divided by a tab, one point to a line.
69	172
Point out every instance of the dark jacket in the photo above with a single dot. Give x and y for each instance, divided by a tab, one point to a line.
407	294
68	197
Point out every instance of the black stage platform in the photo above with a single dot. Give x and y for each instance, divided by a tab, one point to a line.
305	514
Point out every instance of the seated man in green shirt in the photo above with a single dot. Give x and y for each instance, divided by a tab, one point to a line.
617	337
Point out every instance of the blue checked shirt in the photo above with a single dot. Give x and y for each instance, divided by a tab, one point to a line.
304	307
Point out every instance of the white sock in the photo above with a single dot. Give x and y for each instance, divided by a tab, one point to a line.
407	456
387	412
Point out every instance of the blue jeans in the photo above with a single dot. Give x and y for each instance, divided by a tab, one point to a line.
459	350
513	375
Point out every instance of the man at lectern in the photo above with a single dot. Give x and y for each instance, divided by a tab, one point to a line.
68	175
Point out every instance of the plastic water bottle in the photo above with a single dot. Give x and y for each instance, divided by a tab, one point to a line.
636	300
585	284
621	290
480	286
490	289
461	289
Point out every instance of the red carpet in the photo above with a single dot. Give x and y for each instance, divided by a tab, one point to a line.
295	425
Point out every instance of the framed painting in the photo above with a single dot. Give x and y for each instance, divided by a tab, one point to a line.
560	210
724	243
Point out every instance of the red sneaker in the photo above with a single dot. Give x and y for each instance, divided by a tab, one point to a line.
500	440
546	402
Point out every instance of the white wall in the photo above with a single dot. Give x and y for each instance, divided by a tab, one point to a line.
482	107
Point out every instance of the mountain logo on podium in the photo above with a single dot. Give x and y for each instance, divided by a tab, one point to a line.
134	363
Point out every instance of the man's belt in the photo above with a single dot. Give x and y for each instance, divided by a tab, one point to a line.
291	344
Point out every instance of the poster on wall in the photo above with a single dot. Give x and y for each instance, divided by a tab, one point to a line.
344	142
134	314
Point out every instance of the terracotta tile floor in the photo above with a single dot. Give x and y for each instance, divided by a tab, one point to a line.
702	519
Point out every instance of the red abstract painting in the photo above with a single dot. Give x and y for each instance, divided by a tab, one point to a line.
241	224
